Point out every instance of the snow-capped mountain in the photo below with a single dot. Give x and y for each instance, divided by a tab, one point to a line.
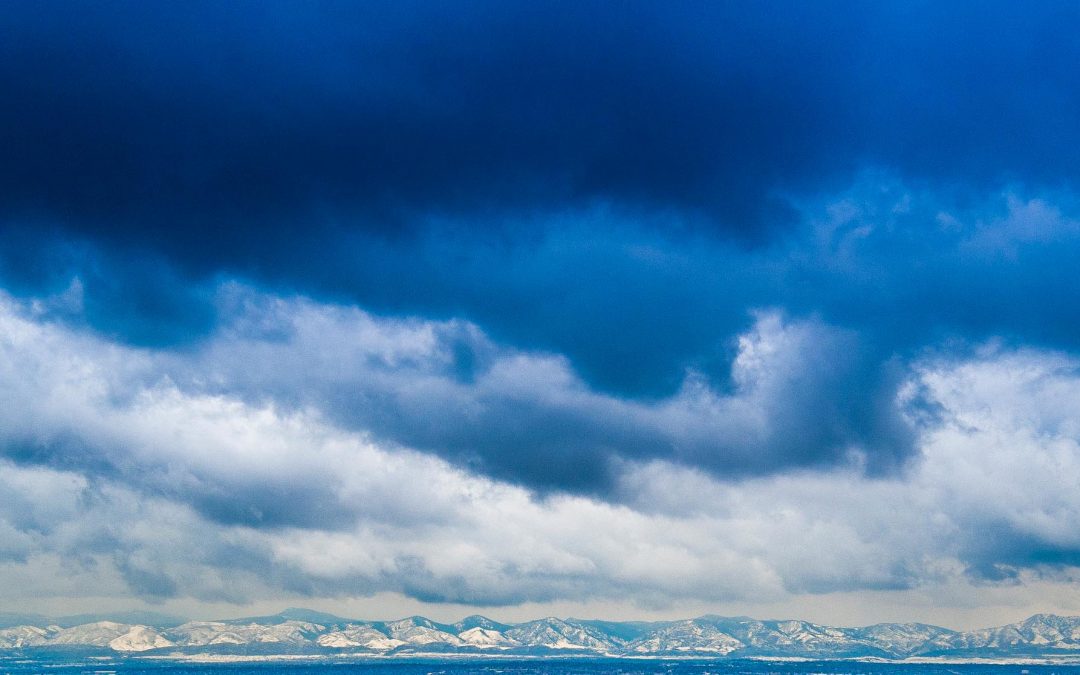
24	636
555	633
477	621
784	637
483	633
302	631
140	639
416	630
686	636
202	633
486	637
359	635
904	639
1041	632
118	637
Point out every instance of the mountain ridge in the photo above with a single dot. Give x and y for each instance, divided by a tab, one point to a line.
299	630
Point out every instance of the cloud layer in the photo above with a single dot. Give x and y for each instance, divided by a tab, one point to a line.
498	303
134	469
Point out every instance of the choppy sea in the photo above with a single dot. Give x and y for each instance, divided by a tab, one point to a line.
536	666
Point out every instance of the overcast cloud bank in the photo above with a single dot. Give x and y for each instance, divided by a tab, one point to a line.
201	473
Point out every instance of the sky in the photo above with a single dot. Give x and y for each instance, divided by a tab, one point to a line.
618	310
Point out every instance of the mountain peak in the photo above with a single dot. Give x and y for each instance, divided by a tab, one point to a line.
479	621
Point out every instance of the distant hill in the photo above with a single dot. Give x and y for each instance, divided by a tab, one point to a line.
299	631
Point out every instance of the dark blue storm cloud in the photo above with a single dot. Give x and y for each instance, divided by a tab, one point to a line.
621	184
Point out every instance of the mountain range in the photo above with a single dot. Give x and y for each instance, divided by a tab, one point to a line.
304	631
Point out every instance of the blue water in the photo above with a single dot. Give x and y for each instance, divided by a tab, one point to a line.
558	666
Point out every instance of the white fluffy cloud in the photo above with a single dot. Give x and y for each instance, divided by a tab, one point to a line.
205	474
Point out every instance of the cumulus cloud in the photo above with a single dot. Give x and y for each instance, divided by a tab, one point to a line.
442	387
608	303
203	474
527	417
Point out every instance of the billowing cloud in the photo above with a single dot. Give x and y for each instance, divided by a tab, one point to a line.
638	346
136	469
446	388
